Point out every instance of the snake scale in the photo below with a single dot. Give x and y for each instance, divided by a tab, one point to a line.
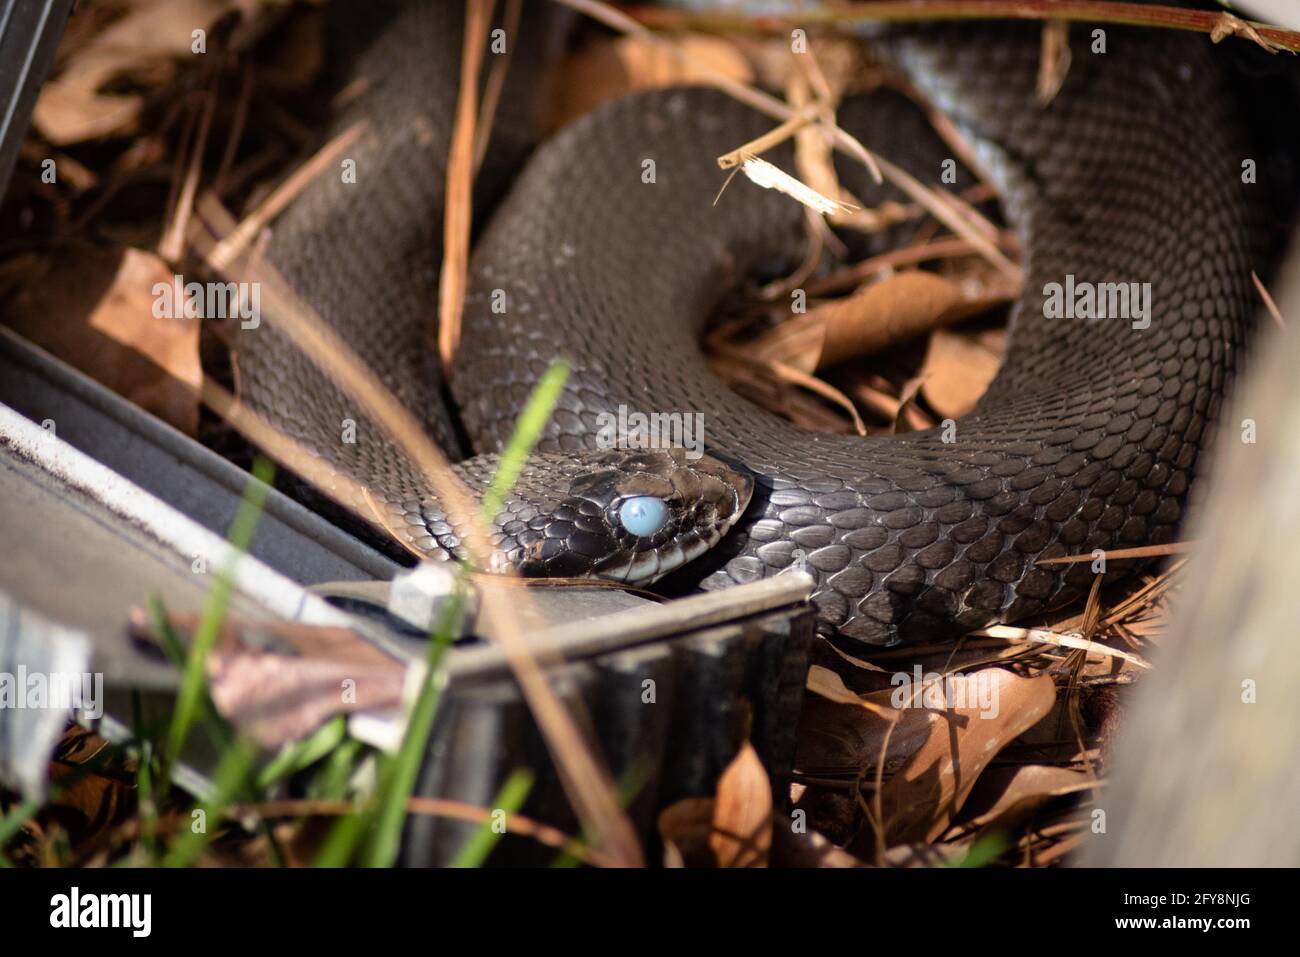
1087	439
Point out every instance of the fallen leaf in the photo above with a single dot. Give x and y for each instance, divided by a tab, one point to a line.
1054	60
742	813
299	56
278	681
94	308
880	314
1004	798
72	107
844	740
86	802
829	685
921	800
959	365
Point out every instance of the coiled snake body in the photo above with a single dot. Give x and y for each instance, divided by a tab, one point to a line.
1086	440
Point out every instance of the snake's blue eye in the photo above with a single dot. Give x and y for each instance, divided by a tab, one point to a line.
643	515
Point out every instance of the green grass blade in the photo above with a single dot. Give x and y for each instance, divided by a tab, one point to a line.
984	851
299	754
400	773
331	781
193	682
509	799
145	761
218	731
341	841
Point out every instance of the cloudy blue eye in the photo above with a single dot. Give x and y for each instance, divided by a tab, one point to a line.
643	515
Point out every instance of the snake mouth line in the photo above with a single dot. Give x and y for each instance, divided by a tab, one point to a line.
650	566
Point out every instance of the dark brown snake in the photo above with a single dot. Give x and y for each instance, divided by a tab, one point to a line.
1086	440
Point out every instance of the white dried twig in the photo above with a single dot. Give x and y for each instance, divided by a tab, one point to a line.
764	174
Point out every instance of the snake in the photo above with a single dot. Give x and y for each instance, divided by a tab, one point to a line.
609	246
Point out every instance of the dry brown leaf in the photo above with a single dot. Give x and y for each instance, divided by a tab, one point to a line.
65	114
920	801
94	308
742	813
896	308
71	107
831	686
959	365
733	829
85	802
609	69
299	56
847	740
278	681
1004	798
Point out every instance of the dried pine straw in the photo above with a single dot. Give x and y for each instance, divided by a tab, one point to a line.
1219	26
172	245
520	825
458	214
1269	304
1141	551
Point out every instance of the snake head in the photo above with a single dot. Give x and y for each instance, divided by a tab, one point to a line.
621	514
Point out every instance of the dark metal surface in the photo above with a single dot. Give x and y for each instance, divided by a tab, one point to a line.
84	545
29	35
1088	439
667	715
176	469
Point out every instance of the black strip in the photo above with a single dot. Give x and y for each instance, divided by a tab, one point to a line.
29	35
